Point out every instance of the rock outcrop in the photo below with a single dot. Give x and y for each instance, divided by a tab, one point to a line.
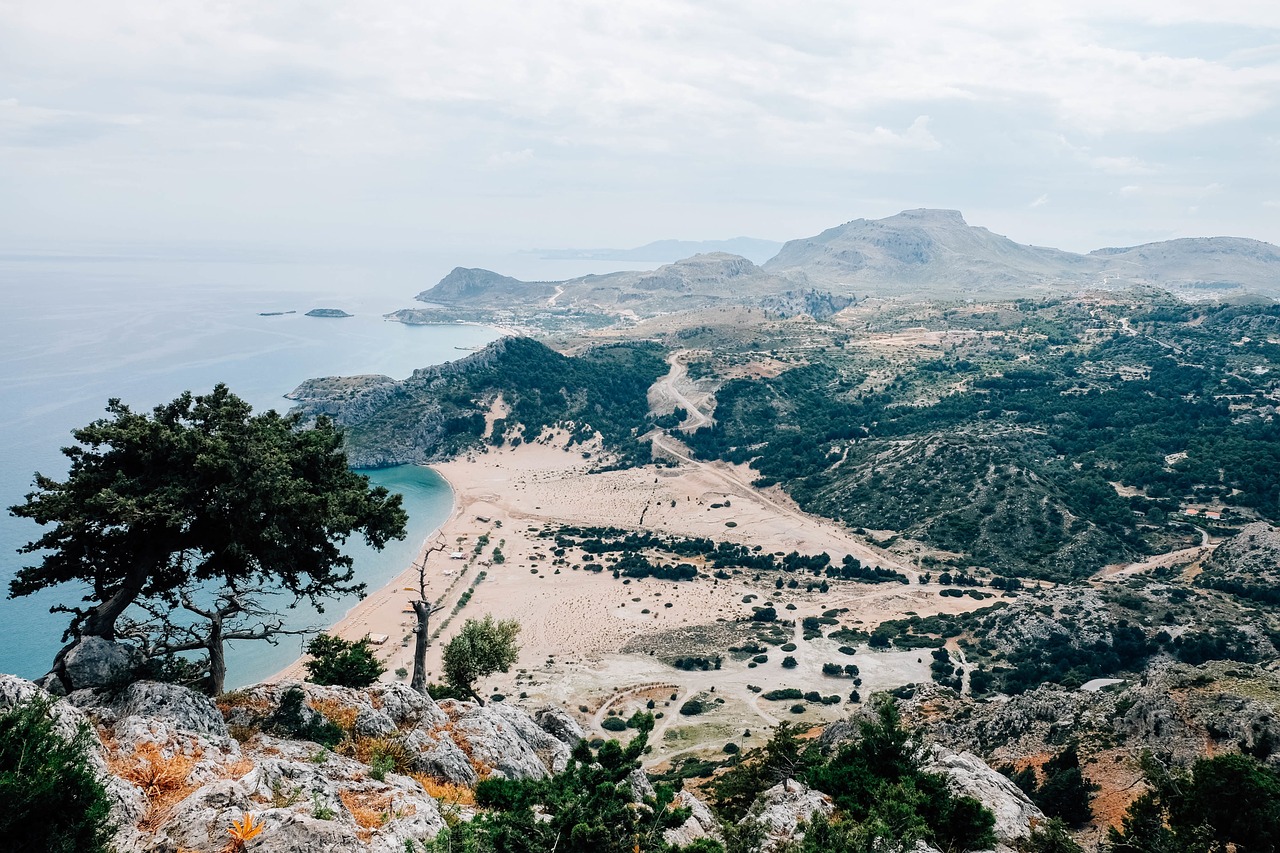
179	769
1247	564
969	775
784	807
92	662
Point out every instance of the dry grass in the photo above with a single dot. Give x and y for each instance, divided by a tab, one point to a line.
342	716
367	750
370	810
163	780
240	699
449	793
239	768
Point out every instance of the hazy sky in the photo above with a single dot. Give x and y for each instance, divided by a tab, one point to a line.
508	125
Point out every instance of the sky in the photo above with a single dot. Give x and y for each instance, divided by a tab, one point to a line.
502	125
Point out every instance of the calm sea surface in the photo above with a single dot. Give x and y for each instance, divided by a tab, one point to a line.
77	330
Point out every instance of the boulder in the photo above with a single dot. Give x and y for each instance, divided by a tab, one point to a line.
93	662
640	785
560	726
701	823
784	807
969	775
507	740
187	710
437	755
406	706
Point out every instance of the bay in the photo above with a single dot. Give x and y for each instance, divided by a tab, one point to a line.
80	328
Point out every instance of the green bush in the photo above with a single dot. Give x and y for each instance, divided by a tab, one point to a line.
52	801
289	721
789	662
341	662
692	708
613	724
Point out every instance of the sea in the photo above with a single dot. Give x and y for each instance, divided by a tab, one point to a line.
79	327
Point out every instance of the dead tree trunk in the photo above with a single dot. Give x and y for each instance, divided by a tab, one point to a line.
423	610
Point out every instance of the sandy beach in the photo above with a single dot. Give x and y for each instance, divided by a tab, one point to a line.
594	644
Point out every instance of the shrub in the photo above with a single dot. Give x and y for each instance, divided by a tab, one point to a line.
797	709
613	724
789	662
788	647
692	708
289	721
52	800
341	662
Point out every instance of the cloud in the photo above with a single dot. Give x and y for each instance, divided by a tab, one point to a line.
1122	166
1040	200
714	109
505	159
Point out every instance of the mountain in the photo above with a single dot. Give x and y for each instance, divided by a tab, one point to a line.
915	254
756	250
926	250
936	254
1200	263
702	281
464	285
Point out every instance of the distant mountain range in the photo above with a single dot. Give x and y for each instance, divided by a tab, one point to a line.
936	253
916	254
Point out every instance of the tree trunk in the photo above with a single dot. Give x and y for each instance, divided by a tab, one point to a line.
422	610
217	657
101	621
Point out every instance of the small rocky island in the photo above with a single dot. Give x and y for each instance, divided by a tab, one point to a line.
328	312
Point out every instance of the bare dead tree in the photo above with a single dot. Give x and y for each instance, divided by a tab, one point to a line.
232	614
422	608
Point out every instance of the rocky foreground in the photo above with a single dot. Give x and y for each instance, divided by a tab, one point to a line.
180	767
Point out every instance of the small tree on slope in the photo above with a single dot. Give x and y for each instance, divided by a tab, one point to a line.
481	648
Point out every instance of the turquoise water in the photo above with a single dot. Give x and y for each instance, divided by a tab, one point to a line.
78	331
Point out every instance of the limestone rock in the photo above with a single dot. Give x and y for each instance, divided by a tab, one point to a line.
507	740
701	823
187	710
437	755
969	775
560	725
95	662
787	805
406	706
640	785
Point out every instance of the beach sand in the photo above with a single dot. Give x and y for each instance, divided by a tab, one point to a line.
575	624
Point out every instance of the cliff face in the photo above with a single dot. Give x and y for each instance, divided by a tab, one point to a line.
418	405
1247	565
179	769
440	411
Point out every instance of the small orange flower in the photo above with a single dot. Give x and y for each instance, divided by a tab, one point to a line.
245	829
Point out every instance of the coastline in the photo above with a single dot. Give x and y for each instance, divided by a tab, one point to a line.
587	634
370	609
